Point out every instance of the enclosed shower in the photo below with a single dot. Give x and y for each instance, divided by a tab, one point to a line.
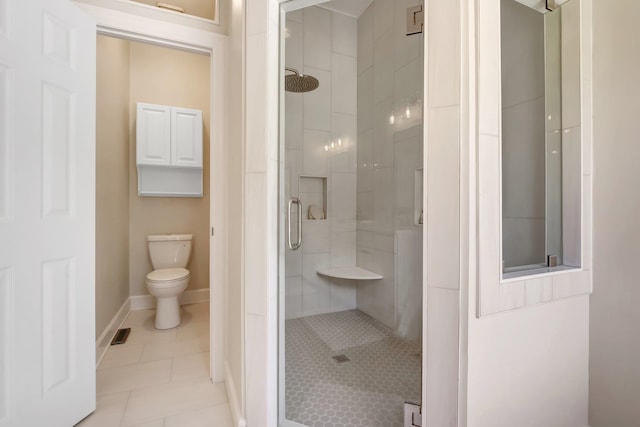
352	212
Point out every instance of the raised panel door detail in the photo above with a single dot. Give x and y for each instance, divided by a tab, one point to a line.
58	144
5	147
58	40
58	289
186	130
6	341
153	135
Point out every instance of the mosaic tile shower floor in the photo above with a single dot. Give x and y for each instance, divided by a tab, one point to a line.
368	391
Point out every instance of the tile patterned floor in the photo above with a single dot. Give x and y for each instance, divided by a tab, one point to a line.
369	390
160	378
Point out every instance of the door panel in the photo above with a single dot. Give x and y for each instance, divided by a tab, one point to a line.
58	177
58	40
57	334
47	213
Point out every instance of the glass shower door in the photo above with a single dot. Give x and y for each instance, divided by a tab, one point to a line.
351	290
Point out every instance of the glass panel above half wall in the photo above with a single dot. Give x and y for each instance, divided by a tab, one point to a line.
540	136
350	209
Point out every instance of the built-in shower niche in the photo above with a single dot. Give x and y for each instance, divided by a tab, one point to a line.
313	195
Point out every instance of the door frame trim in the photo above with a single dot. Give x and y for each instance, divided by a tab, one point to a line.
123	25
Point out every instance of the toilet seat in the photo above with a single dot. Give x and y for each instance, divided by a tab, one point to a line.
167	276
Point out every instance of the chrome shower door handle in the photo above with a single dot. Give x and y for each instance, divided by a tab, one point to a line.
298	243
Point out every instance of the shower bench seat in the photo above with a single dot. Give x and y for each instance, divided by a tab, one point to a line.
351	273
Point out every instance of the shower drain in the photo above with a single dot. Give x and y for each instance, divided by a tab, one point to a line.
342	358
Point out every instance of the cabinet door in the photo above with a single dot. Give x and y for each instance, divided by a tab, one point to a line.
186	132
153	134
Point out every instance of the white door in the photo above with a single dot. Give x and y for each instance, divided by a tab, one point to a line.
47	226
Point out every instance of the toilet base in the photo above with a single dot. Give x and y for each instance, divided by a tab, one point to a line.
167	312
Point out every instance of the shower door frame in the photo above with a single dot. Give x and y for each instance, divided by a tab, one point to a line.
286	6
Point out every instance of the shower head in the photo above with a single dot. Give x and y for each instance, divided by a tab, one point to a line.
299	82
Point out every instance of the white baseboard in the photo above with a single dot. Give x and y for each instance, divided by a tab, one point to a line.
104	340
195	296
234	403
145	302
142	302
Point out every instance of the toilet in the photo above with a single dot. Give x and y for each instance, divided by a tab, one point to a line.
169	255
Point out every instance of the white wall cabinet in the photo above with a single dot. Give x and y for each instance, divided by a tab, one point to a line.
169	151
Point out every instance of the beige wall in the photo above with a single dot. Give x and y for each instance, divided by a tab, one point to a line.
615	317
127	73
168	77
202	8
112	178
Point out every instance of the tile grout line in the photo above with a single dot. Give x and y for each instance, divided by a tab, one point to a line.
171	370
126	405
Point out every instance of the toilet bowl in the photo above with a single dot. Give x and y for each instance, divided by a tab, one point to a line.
169	255
166	285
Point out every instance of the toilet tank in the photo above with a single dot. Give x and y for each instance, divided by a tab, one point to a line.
169	250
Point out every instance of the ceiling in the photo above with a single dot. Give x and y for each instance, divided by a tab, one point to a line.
353	8
539	5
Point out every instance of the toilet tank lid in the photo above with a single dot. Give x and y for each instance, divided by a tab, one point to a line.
168	237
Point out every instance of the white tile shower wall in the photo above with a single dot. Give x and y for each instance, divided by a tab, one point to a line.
389	151
314	156
571	134
344	130
323	44
317	103
256	377
343	83
317	38
442	219
443	198
408	262
405	164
